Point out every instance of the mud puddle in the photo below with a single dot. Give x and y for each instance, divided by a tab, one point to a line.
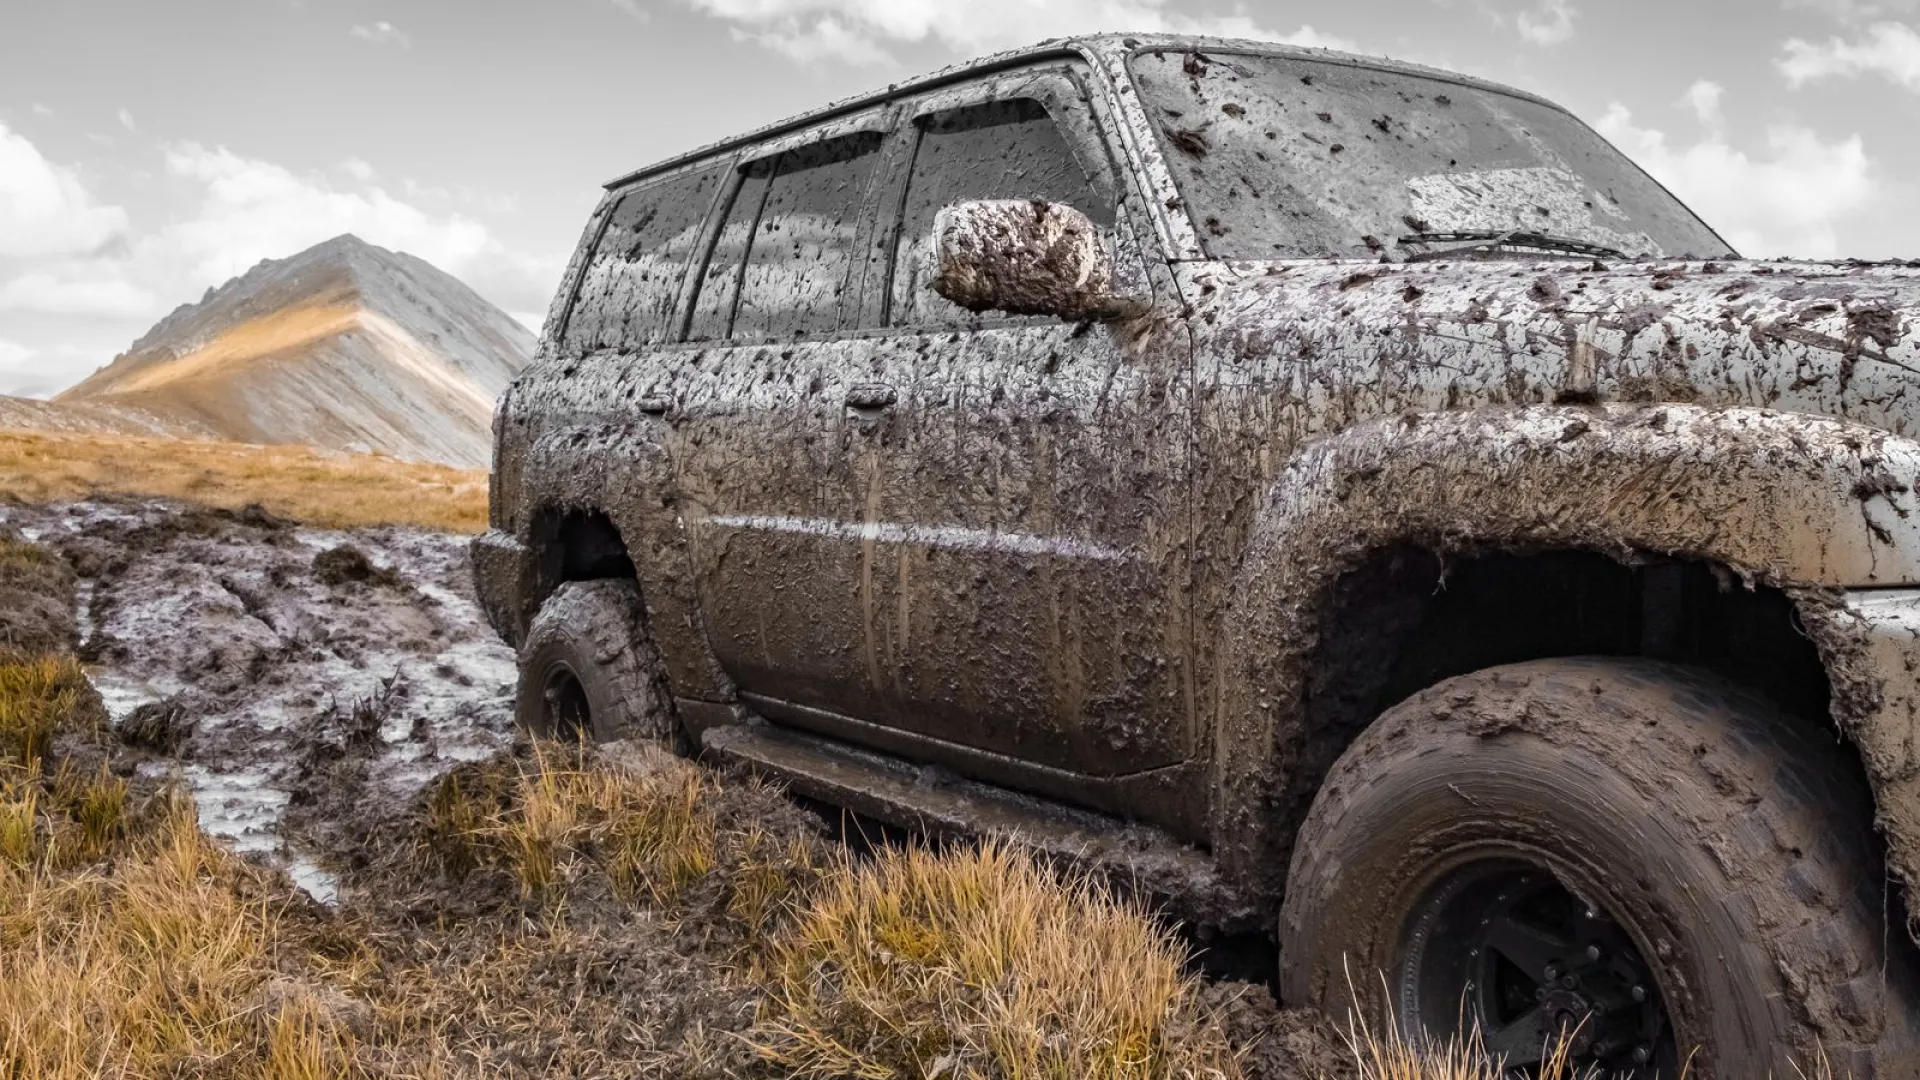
304	684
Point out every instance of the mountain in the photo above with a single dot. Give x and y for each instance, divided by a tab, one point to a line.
346	346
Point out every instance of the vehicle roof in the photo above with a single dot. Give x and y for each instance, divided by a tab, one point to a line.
1092	46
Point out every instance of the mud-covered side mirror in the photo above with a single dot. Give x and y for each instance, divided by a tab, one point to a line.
1026	257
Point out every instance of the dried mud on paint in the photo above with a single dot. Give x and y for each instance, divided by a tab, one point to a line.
310	687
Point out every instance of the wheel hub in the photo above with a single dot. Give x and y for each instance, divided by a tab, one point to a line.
569	713
1502	949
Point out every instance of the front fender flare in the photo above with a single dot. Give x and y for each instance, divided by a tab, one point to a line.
1785	500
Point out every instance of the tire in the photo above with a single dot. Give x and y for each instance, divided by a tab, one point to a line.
588	669
1683	827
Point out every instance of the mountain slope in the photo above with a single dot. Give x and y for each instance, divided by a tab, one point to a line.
345	345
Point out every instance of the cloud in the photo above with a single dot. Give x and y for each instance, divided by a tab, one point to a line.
1789	200
126	119
633	9
1853	11
45	210
1550	23
1703	97
41	110
858	31
382	33
1889	49
78	290
357	169
252	210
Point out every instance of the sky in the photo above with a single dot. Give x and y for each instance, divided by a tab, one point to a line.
151	149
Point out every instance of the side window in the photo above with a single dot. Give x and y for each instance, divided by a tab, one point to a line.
783	262
1003	150
633	277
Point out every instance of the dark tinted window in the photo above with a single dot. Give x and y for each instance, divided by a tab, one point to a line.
627	293
1003	150
783	264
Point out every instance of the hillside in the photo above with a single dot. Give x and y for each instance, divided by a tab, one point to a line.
345	346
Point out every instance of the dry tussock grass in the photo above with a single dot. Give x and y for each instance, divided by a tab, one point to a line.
311	486
131	945
982	962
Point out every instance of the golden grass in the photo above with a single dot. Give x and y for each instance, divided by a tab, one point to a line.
311	486
130	944
250	340
982	962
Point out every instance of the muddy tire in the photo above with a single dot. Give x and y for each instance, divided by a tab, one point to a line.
588	669
1715	857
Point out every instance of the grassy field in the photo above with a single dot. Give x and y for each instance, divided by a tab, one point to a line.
316	487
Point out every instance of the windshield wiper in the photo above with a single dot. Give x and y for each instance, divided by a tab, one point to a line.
1491	239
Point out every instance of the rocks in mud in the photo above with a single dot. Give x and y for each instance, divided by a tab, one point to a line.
348	565
159	726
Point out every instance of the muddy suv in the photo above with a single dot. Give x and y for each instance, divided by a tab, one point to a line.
1351	501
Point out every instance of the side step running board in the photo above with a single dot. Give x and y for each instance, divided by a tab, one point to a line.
930	801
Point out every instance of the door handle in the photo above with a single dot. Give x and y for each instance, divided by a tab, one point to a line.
871	396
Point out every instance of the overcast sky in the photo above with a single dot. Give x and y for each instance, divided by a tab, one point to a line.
150	149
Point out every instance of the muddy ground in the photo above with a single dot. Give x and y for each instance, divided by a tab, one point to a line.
308	686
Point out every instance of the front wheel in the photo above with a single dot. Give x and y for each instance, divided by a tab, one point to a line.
1643	862
588	670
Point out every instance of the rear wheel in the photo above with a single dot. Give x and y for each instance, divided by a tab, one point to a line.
1641	860
588	670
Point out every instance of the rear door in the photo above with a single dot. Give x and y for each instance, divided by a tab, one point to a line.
773	395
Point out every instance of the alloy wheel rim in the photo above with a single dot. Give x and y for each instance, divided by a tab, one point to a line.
1501	947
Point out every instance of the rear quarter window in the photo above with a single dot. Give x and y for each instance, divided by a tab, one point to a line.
627	293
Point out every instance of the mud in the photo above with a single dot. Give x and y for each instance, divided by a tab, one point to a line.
280	671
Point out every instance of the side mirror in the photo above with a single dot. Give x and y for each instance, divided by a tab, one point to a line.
1025	257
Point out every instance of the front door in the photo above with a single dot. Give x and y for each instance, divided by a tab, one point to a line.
1025	526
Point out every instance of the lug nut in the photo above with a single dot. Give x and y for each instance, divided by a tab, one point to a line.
1639	994
1641	1055
1594	953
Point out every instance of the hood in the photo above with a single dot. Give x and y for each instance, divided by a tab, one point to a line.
1361	340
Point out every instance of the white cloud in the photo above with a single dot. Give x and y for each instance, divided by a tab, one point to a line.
633	9
1550	23
1850	11
1889	49
253	210
78	290
45	210
41	110
126	119
1703	97
382	33
357	169
1791	200
858	31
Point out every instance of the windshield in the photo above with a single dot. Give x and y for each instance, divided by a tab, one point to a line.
1282	157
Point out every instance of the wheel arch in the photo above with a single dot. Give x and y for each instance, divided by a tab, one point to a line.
1745	516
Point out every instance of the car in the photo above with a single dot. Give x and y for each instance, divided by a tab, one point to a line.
1349	502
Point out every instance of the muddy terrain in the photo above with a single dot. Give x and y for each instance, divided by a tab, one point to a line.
265	662
311	686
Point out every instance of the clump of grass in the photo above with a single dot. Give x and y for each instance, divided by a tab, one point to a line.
652	827
330	490
982	962
37	698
